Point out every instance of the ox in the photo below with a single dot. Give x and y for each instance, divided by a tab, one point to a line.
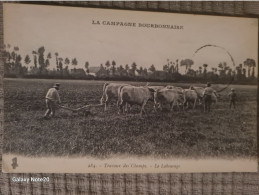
168	96
179	89
110	91
156	87
135	95
190	96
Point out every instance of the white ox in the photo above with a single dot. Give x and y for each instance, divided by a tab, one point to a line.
168	96
110	91
179	89
134	96
155	88
190	96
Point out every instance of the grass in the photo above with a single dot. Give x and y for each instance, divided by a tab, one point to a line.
195	134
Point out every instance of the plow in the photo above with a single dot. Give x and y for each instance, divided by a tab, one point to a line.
84	109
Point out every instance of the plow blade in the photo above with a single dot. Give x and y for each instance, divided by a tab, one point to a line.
87	107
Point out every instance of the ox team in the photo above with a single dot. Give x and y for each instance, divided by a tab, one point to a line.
127	95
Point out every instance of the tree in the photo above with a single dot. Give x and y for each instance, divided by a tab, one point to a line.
67	61
165	68
233	73
212	70
41	59
216	70
60	64
56	54
16	48
87	67
140	71
18	69
8	56
247	64
133	68
35	58
253	68
102	68
47	63
145	72
200	70
66	71
49	55
13	56
187	63
239	72
250	63
244	72
223	69
101	71
74	62
229	73
120	70
113	67
177	66
9	60
205	70
6	60
167	61
152	68
107	64
127	69
191	72
171	69
18	58
27	59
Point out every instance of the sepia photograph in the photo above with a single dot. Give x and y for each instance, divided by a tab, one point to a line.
91	90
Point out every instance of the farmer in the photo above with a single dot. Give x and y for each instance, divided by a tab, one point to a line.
52	99
208	91
232	97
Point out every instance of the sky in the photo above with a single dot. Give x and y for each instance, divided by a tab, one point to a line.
74	32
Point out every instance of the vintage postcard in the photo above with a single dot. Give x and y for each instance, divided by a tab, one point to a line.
115	91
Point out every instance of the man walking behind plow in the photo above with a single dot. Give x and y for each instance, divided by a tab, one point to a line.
52	99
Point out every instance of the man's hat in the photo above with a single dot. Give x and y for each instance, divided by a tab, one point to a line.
56	85
232	89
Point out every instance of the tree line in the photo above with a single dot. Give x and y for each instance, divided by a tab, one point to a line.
39	67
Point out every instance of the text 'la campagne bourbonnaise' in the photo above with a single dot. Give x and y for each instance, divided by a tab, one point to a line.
134	24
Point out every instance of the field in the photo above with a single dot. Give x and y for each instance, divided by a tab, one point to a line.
193	134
